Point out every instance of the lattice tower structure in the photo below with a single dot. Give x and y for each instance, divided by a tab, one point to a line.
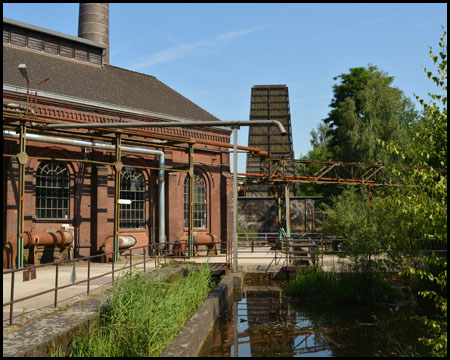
269	102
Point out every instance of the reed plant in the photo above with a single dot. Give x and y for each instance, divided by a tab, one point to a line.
343	288
144	315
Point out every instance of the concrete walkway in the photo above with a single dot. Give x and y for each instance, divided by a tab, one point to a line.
42	305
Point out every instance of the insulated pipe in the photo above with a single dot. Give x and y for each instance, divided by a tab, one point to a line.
103	146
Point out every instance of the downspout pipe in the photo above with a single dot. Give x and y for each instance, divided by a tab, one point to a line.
103	146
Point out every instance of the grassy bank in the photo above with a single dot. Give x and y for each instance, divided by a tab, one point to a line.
344	288
144	315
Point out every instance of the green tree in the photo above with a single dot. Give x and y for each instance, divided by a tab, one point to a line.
427	201
408	224
366	108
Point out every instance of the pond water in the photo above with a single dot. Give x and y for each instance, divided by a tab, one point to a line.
264	322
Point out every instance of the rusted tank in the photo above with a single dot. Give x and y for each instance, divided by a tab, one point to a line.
125	242
62	239
181	246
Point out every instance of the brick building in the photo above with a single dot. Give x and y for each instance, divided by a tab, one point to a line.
66	184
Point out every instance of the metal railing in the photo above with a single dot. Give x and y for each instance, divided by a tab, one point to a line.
158	255
264	248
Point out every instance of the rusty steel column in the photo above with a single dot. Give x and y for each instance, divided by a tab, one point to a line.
288	210
22	158
191	200
118	167
235	244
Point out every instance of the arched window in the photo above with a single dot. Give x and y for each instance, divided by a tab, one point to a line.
52	191
199	202
132	187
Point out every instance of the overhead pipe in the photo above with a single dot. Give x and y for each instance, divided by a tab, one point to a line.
235	123
109	147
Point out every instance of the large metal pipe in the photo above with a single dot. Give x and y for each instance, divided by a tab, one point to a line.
236	123
109	147
31	241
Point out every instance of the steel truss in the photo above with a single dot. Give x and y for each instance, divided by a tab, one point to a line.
280	171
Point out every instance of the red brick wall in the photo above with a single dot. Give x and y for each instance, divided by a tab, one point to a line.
92	195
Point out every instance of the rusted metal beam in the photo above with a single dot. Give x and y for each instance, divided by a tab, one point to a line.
22	158
117	167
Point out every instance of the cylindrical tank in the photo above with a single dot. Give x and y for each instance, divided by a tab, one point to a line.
93	24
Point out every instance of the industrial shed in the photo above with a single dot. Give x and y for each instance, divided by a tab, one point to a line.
72	183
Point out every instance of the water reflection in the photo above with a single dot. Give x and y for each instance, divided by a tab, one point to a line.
266	323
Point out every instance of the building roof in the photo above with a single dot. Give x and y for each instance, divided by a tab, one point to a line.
58	34
108	85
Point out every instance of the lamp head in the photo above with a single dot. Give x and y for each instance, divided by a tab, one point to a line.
23	70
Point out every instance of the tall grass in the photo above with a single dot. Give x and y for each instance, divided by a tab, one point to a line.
345	288
144	315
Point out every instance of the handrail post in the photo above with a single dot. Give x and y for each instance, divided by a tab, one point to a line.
12	299
131	262
144	257
56	285
88	274
113	269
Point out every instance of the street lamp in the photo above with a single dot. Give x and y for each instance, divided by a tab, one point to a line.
23	70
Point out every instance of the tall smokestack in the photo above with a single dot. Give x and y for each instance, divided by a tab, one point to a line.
93	24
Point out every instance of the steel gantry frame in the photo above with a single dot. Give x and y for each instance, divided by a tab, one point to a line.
43	125
275	171
279	174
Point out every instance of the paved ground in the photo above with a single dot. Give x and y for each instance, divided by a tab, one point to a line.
261	259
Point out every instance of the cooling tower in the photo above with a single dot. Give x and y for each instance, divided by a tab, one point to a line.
269	102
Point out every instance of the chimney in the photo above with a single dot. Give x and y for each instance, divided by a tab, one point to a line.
93	24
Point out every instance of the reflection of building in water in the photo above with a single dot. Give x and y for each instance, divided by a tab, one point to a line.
265	324
270	321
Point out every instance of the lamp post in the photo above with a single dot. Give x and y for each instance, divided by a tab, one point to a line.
23	70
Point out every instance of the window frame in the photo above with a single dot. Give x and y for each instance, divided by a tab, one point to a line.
54	208
132	216
200	207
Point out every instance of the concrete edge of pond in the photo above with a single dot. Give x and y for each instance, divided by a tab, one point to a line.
191	337
58	329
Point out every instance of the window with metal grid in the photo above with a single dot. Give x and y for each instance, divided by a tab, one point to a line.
199	202
52	191
132	188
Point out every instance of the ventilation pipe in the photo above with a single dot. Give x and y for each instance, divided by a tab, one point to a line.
103	146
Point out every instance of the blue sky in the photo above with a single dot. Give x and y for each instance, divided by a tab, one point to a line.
214	53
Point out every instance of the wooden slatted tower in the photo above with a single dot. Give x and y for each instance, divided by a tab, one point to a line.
269	102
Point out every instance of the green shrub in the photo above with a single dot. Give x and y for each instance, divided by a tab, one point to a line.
345	288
